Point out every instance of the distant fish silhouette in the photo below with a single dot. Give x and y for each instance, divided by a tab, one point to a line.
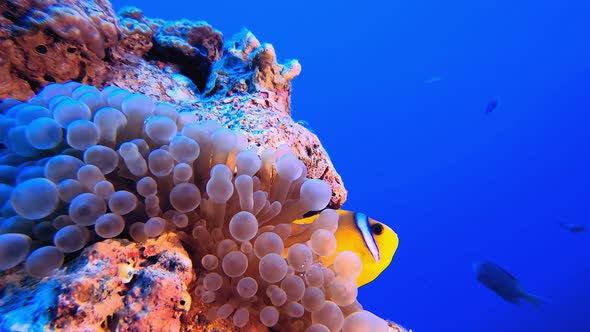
503	283
573	228
492	105
433	79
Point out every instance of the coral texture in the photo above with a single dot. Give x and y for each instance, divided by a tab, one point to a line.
133	286
54	41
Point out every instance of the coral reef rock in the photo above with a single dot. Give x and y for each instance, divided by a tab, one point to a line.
185	63
150	174
113	283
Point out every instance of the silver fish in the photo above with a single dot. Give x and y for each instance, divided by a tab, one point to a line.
433	79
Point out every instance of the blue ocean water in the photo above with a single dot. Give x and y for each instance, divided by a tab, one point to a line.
397	93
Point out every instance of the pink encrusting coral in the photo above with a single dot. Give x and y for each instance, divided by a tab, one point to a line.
47	41
122	165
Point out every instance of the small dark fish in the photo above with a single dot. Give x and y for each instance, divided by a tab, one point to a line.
503	283
573	228
492	105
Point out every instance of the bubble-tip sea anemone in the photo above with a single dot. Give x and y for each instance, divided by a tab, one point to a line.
81	164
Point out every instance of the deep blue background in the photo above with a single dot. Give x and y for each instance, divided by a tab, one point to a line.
456	184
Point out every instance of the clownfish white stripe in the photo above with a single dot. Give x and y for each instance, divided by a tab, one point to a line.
362	223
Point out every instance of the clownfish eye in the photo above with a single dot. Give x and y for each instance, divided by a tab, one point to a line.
377	229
